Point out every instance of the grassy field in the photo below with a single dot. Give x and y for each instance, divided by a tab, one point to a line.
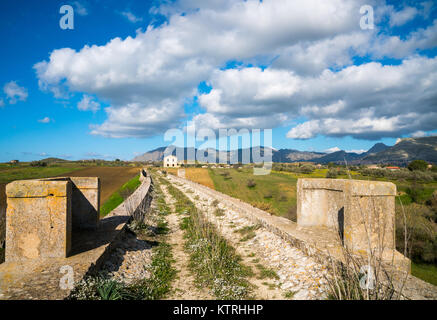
200	176
117	197
426	272
275	193
8	173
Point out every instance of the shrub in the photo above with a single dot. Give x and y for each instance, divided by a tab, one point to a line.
419	165
306	169
251	183
421	231
38	164
265	206
268	195
415	191
332	173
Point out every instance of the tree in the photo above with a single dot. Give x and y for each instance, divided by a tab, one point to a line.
419	165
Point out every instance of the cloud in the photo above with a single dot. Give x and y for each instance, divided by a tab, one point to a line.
419	134
395	47
331	150
369	101
2	103
308	49
45	120
14	92
131	17
162	66
80	8
399	18
88	104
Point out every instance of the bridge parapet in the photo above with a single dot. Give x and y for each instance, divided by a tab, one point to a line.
42	213
362	213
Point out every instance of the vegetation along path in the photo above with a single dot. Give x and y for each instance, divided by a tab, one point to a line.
273	268
184	286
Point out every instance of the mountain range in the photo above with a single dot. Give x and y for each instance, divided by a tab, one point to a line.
404	151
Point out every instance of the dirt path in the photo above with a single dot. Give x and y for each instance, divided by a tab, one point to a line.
281	270
184	287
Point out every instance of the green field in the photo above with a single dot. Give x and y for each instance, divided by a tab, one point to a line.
117	197
8	173
275	193
426	272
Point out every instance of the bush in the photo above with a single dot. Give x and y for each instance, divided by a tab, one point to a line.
251	183
419	165
38	164
421	232
265	206
332	174
268	195
306	169
414	191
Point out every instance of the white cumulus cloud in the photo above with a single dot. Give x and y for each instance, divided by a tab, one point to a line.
88	104
308	47
14	92
45	120
131	17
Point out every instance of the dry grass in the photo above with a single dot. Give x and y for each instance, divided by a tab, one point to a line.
173	171
199	175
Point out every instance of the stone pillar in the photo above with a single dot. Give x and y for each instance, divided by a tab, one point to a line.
370	216
38	219
319	202
362	212
86	202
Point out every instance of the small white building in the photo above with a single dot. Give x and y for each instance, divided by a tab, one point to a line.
171	161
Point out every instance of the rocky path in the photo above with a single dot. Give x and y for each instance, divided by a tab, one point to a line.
184	287
281	271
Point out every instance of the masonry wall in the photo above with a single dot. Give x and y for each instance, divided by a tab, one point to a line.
85	202
361	212
38	219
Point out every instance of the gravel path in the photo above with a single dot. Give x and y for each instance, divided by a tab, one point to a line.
299	276
184	287
128	259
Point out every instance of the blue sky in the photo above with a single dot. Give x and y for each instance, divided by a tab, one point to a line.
307	71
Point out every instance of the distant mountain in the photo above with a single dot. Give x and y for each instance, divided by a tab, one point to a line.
290	155
406	150
339	157
283	155
379	147
154	155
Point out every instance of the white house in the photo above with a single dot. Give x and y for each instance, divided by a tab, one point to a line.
170	161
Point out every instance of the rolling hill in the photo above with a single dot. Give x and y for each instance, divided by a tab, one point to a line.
406	150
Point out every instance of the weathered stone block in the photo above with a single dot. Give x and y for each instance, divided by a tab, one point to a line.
370	215
361	212
86	202
38	219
